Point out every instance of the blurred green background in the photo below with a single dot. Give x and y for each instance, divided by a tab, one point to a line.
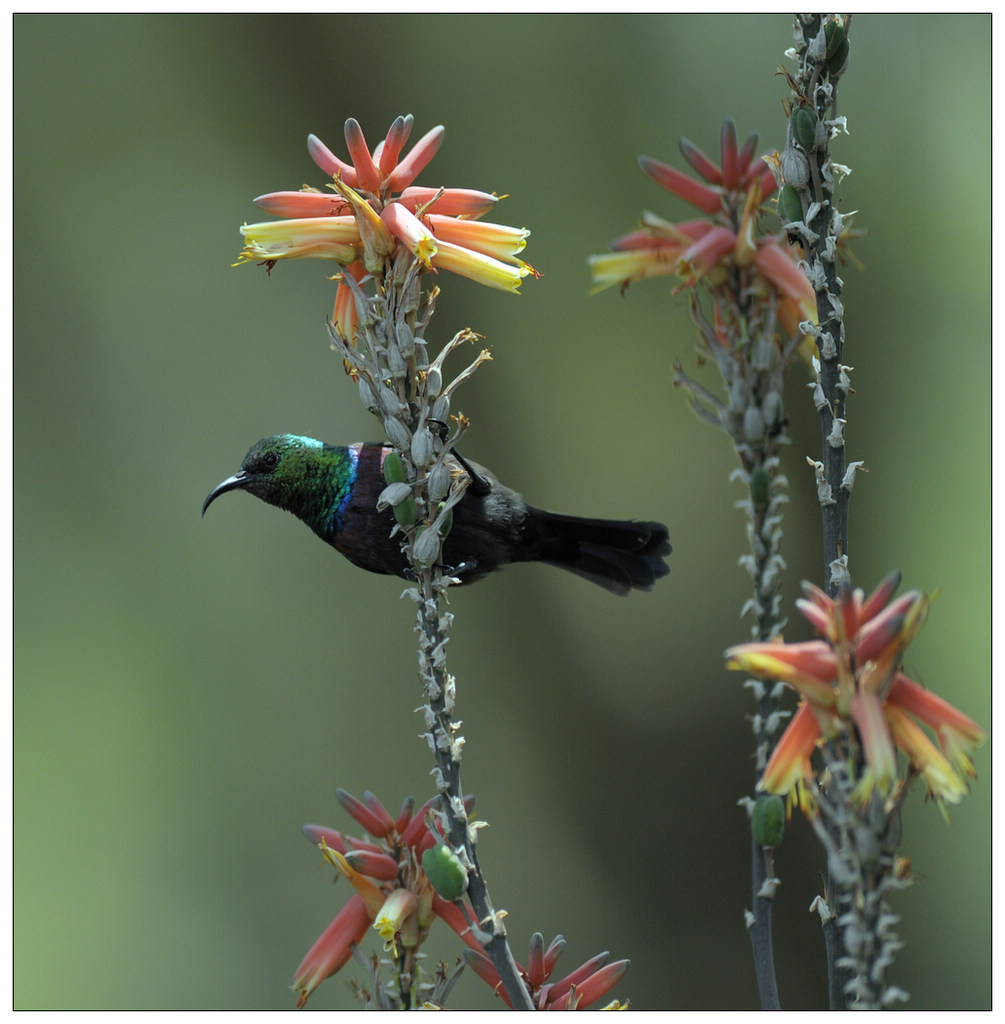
189	692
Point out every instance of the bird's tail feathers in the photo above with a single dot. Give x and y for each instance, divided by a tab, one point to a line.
618	555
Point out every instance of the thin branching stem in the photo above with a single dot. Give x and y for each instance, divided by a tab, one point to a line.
859	829
403	387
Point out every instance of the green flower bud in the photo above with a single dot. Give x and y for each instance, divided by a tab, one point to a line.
835	33
768	820
405	512
804	127
394	469
446	872
760	486
837	63
790	209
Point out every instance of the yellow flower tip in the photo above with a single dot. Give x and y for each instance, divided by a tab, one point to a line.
405	226
789	764
246	257
866	710
746	242
943	782
867	784
809	667
478	267
497	240
331	952
392	921
377	241
335	858
425	251
624	266
958	748
333	238
371	894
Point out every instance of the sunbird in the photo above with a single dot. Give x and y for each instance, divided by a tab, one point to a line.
334	490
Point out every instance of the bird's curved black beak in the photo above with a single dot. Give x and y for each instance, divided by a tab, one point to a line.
232	483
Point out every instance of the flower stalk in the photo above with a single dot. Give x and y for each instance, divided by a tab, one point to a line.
413	407
747	297
382	229
806	205
858	711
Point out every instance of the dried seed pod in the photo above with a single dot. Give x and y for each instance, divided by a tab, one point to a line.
426	549
423	451
396	362
434	381
393	494
795	167
390	403
446	522
439	482
368	396
441	409
397	433
753	424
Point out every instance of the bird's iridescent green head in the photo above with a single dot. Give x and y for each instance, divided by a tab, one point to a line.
282	470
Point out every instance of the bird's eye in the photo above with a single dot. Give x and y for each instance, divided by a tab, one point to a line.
271	460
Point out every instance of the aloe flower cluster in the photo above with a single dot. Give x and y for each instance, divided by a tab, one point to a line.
748	297
583	987
858	710
726	250
373	209
403	878
391	891
854	695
